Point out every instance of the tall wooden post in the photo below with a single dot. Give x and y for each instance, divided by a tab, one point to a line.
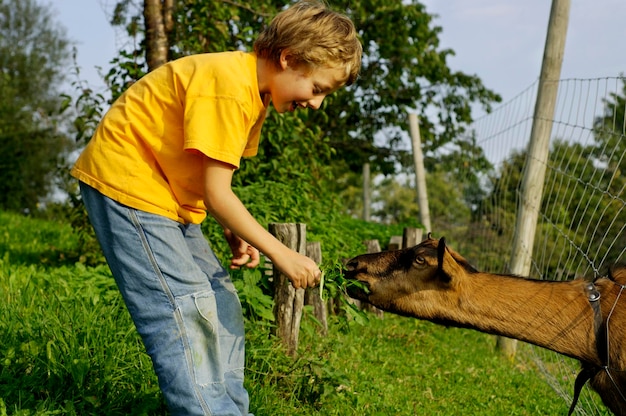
288	301
420	172
367	193
538	150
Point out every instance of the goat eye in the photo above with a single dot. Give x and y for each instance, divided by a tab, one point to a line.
419	260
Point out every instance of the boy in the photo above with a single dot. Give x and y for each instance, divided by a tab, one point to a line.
164	155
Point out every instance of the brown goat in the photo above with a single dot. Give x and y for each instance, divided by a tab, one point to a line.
577	318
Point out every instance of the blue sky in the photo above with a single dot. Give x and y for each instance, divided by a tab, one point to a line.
501	41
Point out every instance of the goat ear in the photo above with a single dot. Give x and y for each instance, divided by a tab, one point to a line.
441	251
447	266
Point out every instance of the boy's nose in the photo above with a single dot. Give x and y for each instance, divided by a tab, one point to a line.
316	102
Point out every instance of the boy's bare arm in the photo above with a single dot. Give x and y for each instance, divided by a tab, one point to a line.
229	211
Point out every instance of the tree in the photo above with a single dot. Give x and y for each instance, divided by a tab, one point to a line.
609	127
163	30
610	153
396	202
159	23
33	54
403	68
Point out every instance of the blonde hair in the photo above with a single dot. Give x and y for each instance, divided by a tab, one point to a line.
314	36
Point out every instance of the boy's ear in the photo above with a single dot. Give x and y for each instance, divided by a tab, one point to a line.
285	59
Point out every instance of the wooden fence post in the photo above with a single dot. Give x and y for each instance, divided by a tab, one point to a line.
411	237
395	242
312	295
420	172
288	301
373	246
367	193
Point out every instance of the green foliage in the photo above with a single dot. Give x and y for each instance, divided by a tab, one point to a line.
608	152
398	201
255	295
583	205
290	153
29	158
213	26
33	52
87	106
609	127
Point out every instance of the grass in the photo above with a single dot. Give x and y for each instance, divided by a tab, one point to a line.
69	348
399	366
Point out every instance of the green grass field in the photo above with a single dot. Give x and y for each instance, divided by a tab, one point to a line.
69	348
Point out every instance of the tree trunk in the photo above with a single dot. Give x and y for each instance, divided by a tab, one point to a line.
158	22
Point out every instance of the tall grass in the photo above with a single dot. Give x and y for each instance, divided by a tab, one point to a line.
69	347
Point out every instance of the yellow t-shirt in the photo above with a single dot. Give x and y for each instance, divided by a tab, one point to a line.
147	151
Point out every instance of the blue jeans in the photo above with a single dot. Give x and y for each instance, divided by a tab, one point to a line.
182	302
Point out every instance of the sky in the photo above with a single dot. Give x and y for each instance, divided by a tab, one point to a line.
500	41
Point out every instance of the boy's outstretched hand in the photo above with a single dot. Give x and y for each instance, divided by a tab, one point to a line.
302	271
243	253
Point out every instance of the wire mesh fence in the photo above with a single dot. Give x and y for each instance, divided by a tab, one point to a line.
581	229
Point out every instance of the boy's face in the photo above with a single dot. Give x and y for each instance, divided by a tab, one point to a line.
302	87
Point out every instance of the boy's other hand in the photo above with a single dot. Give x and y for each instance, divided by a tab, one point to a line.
243	253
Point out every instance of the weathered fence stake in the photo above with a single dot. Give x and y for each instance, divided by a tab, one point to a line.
312	296
411	237
288	301
373	246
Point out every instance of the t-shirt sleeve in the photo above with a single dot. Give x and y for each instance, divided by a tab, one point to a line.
216	127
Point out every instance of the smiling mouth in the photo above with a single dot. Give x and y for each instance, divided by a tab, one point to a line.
296	105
